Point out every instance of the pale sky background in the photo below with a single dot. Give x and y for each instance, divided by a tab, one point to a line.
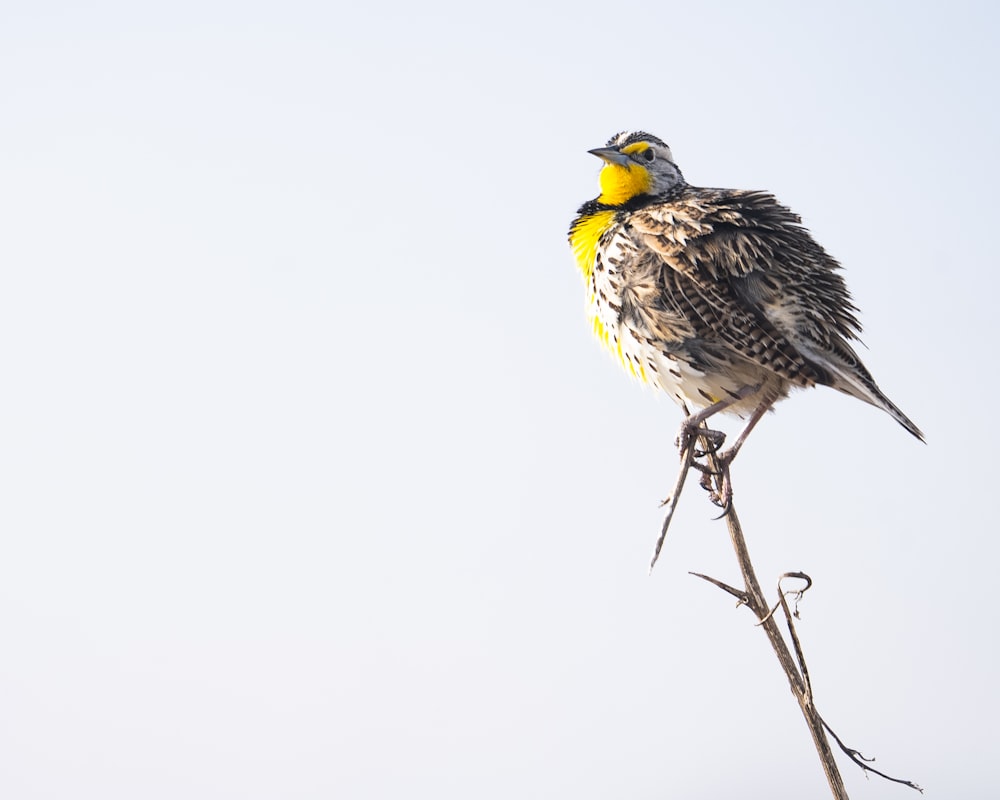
315	484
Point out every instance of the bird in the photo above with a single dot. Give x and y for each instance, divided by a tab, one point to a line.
720	298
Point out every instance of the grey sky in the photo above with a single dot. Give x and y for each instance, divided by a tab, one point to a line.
315	482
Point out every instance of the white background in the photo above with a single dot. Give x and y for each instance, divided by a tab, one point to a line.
315	484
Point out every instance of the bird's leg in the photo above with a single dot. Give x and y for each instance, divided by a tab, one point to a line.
727	456
690	428
725	495
690	431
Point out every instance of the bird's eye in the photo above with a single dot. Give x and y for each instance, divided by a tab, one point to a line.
649	155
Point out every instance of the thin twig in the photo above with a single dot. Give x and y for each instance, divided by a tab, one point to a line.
687	459
864	762
741	596
770	614
799	655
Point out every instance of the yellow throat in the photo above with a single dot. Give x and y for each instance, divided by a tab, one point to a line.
621	182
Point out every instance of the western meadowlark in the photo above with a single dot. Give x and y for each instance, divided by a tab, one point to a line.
719	297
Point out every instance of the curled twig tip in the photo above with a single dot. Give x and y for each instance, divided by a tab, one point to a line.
802	576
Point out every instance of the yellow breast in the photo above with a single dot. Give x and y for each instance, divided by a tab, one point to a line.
584	237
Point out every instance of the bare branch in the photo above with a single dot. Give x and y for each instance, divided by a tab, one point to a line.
687	459
865	762
741	596
799	655
717	481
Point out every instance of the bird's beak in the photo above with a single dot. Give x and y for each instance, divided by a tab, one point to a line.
611	156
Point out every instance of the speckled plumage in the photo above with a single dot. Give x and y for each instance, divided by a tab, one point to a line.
705	292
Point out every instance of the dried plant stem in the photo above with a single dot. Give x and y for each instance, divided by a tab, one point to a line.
716	475
797	681
716	479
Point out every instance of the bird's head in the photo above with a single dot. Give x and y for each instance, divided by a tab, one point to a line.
636	164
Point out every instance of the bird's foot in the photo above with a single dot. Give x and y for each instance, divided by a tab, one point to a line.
690	432
717	481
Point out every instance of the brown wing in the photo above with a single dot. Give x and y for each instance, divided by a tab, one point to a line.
742	268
